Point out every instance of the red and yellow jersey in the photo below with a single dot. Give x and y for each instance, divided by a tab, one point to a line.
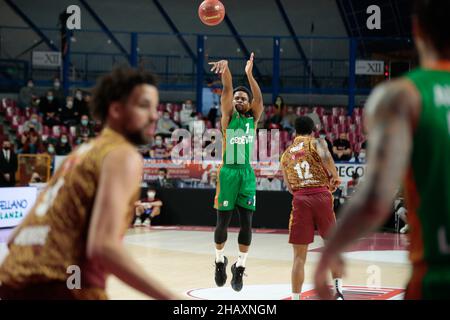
303	165
53	236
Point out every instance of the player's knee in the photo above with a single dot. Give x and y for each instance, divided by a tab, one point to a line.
245	236
300	261
220	235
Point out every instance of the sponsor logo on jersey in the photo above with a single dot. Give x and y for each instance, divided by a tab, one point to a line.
241	140
225	203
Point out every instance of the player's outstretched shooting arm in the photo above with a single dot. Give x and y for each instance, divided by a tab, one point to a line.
256	105
391	110
226	99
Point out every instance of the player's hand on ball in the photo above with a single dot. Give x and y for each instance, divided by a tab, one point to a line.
249	66
219	67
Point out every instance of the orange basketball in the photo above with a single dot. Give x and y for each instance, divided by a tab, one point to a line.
211	12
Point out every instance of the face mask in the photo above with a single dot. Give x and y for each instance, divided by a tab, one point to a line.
322	136
51	150
56	84
69	104
34	120
38	101
158	142
150	195
161	176
166	116
189	106
64	140
50	98
30	85
362	155
84	122
79	96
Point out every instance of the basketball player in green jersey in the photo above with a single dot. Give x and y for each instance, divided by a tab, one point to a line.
409	141
236	186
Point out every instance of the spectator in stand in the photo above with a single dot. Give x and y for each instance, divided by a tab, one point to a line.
159	150
280	106
288	121
163	180
361	156
8	165
33	123
274	122
80	103
51	150
146	209
315	118
27	94
82	139
58	92
323	135
48	106
212	184
68	114
63	147
352	185
31	143
165	125
198	125
342	150
212	115
186	114
84	128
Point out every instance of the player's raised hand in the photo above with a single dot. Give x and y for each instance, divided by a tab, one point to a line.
249	66
219	67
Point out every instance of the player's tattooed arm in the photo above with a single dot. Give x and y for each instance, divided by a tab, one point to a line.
327	158
226	99
256	106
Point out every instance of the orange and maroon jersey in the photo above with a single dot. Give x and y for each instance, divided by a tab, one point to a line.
303	165
53	236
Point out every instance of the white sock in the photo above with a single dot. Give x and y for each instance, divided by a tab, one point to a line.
219	255
242	257
337	284
296	296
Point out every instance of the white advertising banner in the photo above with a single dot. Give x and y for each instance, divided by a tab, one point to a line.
369	67
46	59
15	203
346	170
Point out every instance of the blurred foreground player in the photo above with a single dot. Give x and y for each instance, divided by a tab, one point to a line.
82	215
409	132
236	187
310	175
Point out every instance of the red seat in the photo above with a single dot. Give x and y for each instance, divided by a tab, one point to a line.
341	128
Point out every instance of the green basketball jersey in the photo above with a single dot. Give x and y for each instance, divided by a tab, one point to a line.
239	139
428	180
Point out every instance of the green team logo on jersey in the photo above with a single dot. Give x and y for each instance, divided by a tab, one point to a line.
240	138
